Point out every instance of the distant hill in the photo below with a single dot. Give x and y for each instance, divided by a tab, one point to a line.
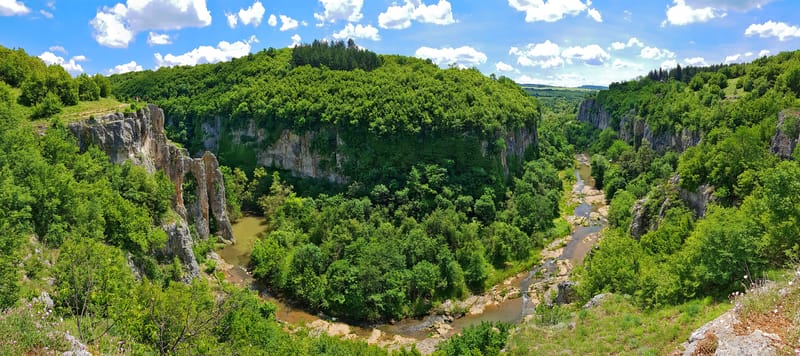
548	94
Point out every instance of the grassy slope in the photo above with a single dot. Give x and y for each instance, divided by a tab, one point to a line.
617	326
83	110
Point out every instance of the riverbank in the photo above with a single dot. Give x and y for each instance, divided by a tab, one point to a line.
513	300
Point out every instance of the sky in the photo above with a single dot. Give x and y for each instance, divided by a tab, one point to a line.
556	42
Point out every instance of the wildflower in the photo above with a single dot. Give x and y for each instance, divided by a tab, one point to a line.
745	276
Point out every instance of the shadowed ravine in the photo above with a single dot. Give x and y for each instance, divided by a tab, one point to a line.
501	303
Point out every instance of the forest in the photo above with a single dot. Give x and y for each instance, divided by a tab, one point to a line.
427	214
748	227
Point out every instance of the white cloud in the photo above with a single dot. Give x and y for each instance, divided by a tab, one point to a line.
12	8
252	15
669	64
288	23
117	26
656	53
125	68
633	41
71	66
551	10
398	17
620	64
273	20
773	29
695	61
591	54
463	57
595	15
503	67
733	58
763	52
45	13
58	49
295	40
439	14
224	51
347	10
232	20
681	14
748	54
358	31
155	39
545	55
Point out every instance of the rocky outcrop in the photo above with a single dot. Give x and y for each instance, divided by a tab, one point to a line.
720	332
179	244
139	137
785	139
639	219
566	293
296	151
635	130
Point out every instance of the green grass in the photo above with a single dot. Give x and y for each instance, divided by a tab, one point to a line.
617	326
731	91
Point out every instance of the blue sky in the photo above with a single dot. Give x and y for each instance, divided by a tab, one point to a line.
560	42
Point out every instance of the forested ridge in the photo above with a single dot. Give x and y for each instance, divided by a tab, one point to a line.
661	248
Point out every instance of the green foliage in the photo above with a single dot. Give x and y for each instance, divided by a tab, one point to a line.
334	56
486	338
49	106
88	88
93	283
619	212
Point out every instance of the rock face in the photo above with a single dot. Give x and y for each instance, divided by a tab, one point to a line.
139	137
782	144
636	130
639	219
296	152
728	342
179	244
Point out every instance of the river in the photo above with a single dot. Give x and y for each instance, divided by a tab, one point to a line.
512	301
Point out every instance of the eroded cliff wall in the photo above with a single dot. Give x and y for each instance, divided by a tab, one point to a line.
633	129
139	137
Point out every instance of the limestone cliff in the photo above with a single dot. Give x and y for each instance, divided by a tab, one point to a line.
785	139
139	137
296	153
635	130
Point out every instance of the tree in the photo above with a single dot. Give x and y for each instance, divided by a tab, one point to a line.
88	89
93	283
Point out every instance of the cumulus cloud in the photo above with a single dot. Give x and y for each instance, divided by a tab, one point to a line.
780	30
763	52
131	66
633	41
748	54
233	20
70	65
223	51
295	40
733	58
463	57
252	15
544	55
503	67
288	23
12	8
553	10
347	10
358	31
594	14
591	54
116	26
273	20
656	53
398	17
695	61
154	39
680	14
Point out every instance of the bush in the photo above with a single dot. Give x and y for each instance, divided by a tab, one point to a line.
49	106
